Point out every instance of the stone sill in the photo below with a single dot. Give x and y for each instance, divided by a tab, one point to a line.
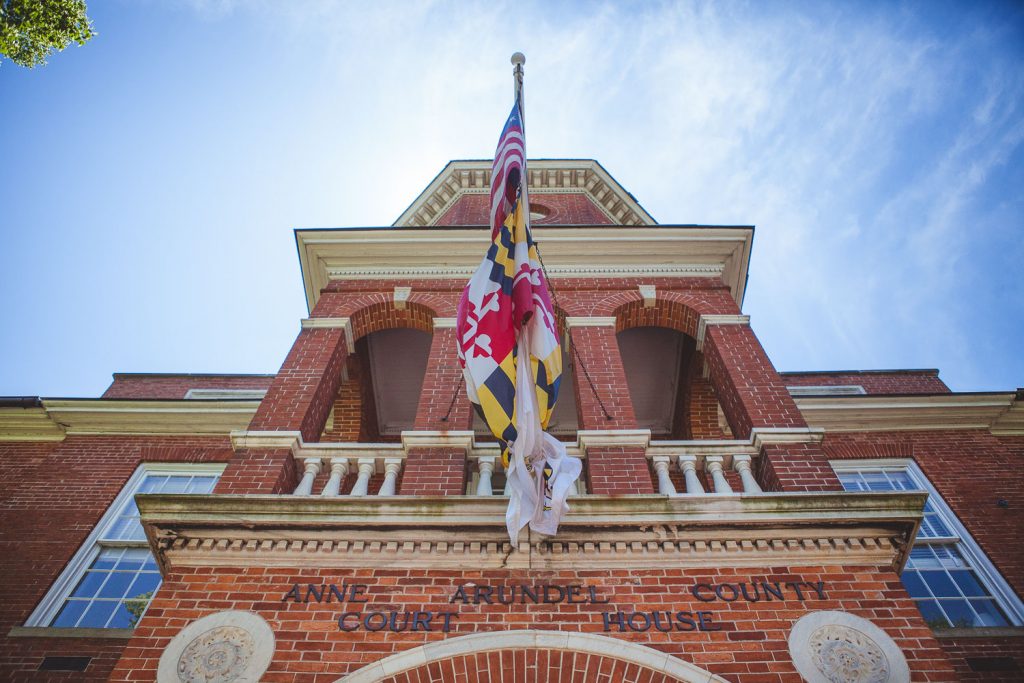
51	632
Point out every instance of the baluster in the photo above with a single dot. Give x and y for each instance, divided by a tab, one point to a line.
362	484
688	464
741	463
312	468
665	486
485	467
392	466
713	464
339	468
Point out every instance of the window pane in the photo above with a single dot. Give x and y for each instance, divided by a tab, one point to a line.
133	559
145	582
176	485
203	484
968	583
107	558
121	618
89	585
989	613
70	613
914	584
97	614
959	613
116	585
933	616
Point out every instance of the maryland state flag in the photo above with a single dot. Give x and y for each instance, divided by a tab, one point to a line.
509	350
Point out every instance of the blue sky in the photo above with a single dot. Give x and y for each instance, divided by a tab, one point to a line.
150	181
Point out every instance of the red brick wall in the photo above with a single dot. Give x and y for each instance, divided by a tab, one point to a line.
873	381
751	646
51	497
559	209
437	410
993	660
156	386
596	356
434	472
701	416
618	470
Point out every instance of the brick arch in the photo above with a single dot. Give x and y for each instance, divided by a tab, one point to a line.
373	314
442	306
530	656
669	310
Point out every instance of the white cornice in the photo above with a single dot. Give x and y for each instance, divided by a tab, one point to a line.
612	438
589	321
332	324
546	176
705	320
431	439
763	436
598	532
105	416
454	253
28	424
999	412
243	438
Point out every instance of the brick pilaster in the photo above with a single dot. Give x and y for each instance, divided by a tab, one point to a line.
439	471
303	391
618	470
599	351
434	472
261	470
441	383
753	395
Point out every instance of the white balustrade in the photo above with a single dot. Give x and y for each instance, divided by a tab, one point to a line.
688	464
665	485
311	469
485	468
339	468
392	466
362	485
741	463
713	464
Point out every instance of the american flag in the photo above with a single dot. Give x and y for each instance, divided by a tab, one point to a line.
509	161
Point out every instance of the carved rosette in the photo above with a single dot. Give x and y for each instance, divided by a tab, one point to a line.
838	647
226	647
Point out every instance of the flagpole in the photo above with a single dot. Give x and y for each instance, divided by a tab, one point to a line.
518	60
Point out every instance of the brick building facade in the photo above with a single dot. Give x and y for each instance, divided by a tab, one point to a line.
342	520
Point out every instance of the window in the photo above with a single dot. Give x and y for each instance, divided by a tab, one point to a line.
111	579
825	390
947	574
221	394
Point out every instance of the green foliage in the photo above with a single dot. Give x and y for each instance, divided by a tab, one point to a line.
137	605
31	29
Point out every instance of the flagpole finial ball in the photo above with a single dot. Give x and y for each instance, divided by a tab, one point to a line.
518	59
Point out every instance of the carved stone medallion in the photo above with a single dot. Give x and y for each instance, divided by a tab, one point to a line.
227	647
837	647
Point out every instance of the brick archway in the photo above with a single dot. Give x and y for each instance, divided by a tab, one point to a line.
531	656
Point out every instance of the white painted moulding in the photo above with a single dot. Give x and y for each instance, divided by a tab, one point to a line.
585	643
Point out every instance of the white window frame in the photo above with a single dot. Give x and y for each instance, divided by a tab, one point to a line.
963	541
222	394
826	390
47	609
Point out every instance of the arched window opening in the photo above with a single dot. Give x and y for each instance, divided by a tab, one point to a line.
657	362
381	387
